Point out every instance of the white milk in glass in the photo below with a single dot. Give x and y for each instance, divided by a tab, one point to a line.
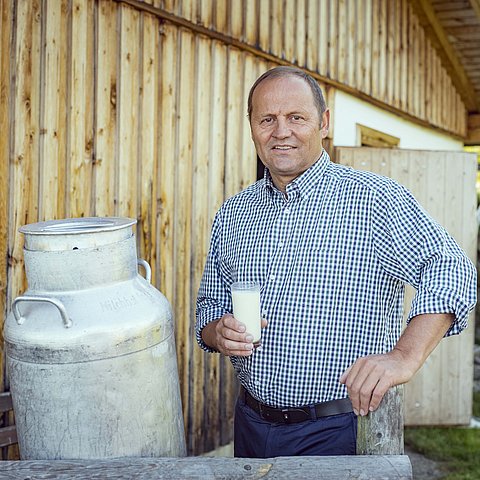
246	306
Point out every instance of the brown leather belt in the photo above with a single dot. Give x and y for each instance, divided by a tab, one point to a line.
296	414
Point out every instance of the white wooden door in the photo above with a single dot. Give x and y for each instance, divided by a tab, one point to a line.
444	184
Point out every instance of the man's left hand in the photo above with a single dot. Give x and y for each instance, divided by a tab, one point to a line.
369	378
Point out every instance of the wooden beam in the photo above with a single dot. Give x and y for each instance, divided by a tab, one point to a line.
439	38
476	6
473	130
281	468
381	431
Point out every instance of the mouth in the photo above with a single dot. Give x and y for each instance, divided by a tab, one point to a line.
283	148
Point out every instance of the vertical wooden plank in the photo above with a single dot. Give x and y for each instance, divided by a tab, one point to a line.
332	41
404	72
367	88
215	394
323	36
391	29
422	94
428	80
167	162
220	12
358	68
276	27
313	26
264	26
248	155
375	60
301	34
382	59
287	20
183	210
434	93
148	136
25	132
187	9
354	50
235	17
415	64
53	127
6	17
233	134
205	13
79	148
127	108
396	25
411	60
202	436
341	40
250	26
106	109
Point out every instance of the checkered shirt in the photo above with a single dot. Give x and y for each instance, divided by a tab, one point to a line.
332	258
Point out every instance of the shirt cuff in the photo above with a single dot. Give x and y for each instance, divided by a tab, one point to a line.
203	320
426	302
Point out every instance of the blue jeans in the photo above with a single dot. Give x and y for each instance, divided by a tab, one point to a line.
254	437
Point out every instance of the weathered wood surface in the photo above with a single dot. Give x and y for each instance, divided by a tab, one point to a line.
381	431
205	468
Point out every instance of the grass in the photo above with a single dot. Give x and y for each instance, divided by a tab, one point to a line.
457	448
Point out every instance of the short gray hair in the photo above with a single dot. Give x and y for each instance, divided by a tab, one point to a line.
280	72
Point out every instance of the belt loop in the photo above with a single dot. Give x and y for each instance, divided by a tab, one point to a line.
313	412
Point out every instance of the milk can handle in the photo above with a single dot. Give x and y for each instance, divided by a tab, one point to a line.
148	270
67	323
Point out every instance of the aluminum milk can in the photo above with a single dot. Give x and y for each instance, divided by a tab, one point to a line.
90	348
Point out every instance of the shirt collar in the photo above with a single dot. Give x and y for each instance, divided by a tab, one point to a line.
304	184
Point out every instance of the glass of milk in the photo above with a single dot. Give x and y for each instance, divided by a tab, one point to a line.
246	307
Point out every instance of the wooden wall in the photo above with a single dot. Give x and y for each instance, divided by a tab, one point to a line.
118	108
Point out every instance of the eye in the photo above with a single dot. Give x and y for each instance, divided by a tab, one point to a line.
297	117
266	120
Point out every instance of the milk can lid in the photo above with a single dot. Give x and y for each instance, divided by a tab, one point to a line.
76	233
72	226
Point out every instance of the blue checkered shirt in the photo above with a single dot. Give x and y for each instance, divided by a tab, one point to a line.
332	258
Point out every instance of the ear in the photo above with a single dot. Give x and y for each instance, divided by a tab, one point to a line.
325	123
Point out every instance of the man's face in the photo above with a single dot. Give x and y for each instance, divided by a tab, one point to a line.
286	127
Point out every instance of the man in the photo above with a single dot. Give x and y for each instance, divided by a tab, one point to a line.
332	249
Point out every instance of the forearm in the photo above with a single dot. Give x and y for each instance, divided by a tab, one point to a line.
370	377
420	338
209	335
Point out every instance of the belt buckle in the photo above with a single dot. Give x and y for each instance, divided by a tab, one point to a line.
286	415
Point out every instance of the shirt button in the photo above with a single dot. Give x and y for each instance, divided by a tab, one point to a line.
280	244
264	313
286	211
272	277
257	382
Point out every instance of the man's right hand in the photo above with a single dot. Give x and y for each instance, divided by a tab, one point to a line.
228	336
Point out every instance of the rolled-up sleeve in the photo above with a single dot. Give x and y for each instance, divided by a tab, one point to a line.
415	249
213	300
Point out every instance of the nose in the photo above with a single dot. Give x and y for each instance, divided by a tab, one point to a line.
282	129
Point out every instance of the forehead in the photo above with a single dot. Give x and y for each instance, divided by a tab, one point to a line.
282	92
